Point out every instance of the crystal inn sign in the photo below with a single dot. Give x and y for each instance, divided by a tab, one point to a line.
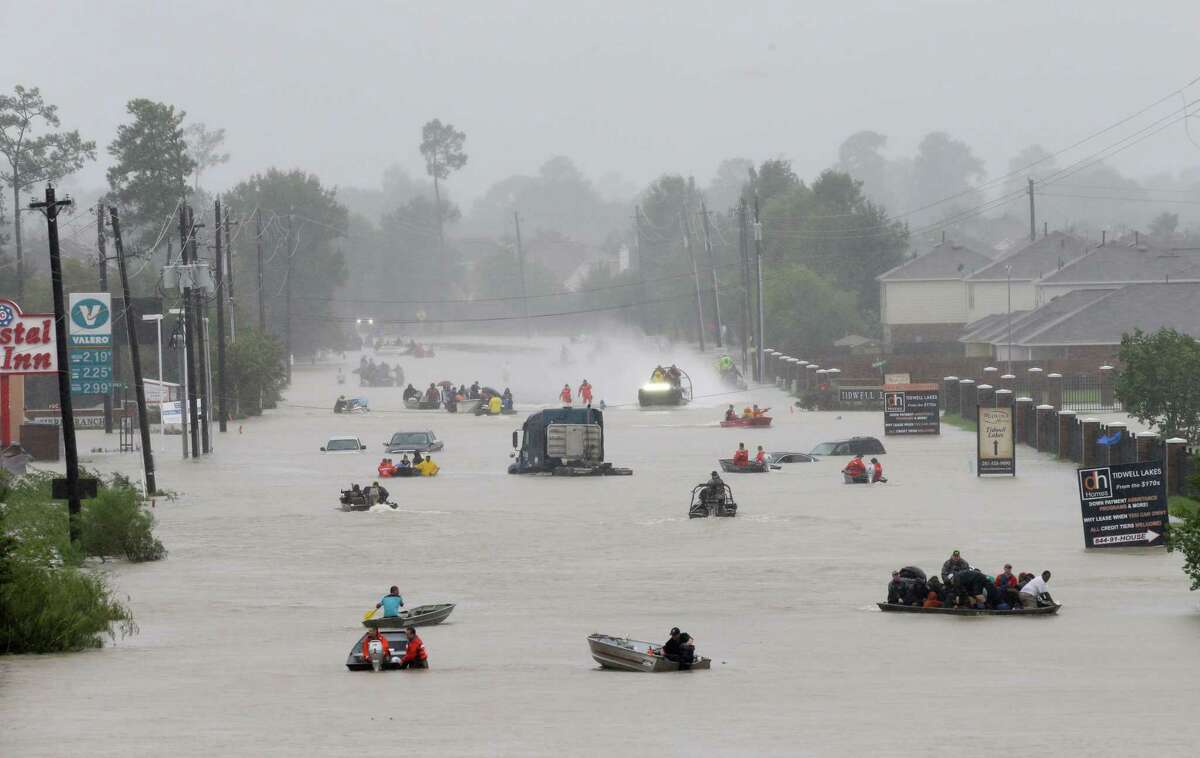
26	341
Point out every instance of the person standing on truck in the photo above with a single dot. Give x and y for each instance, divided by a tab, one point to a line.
585	393
565	395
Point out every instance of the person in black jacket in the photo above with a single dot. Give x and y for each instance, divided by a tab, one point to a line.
670	648
953	565
972	582
687	652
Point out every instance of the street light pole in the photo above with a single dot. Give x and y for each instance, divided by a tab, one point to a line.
157	319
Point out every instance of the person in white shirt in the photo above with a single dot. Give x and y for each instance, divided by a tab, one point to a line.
1034	587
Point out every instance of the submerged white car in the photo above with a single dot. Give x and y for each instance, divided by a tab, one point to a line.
343	445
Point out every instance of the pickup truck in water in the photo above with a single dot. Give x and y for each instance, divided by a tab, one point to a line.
563	442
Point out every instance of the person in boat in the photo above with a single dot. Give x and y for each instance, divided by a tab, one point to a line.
474	392
415	656
896	589
385	467
404	462
375	636
969	585
427	467
876	471
585	393
995	598
659	375
411	392
1034	589
391	603
687	651
730	413
565	395
339	405
432	394
933	599
495	405
757	412
747	412
674	376
855	469
670	648
954	564
1006	583
741	456
506	399
417	457
760	457
714	490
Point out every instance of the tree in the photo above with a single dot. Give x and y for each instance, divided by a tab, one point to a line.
1164	225
256	372
1034	162
729	183
442	147
859	157
807	312
772	179
1186	539
203	148
152	164
944	167
1157	384
32	159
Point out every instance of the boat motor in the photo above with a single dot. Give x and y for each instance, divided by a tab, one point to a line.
375	653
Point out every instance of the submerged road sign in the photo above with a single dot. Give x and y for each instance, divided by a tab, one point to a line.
1124	505
994	448
911	409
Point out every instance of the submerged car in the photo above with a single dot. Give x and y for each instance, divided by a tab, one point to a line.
343	445
852	446
791	457
425	442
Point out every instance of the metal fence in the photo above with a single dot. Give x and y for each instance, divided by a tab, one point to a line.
1088	393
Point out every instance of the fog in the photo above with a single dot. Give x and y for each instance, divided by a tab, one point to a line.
625	89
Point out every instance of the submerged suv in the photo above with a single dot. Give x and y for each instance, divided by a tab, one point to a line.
852	446
409	441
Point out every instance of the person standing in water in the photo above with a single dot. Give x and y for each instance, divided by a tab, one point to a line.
415	656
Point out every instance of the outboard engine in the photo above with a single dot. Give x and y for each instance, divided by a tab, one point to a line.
375	653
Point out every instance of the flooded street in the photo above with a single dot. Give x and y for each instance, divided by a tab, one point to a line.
245	627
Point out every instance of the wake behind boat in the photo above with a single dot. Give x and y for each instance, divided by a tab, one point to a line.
624	654
422	615
1045	610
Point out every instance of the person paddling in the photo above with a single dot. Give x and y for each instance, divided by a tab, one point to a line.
391	603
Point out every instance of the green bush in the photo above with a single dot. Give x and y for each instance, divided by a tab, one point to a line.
46	610
116	523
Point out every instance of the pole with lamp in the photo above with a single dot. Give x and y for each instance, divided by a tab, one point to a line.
1008	270
162	389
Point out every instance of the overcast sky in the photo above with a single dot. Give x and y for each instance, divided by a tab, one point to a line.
640	88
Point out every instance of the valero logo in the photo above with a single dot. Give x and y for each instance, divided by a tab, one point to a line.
1095	483
90	314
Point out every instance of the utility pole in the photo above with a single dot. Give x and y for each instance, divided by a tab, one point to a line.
687	245
189	331
743	251
760	336
229	286
102	264
74	508
287	323
200	317
222	416
1032	220
640	247
132	319
712	264
521	267
262	311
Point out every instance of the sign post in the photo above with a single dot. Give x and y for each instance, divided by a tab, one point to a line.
911	409
994	441
1124	505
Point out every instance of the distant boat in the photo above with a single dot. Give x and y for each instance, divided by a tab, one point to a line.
624	654
743	421
753	467
1045	610
422	615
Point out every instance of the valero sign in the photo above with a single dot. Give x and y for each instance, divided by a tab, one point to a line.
26	341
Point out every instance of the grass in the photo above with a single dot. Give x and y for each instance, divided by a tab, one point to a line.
955	420
1182	506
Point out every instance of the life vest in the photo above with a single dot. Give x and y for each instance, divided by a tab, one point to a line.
565	395
741	457
855	467
415	651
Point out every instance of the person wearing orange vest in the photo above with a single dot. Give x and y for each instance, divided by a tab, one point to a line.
386	468
373	635
585	393
565	395
761	456
855	468
742	456
415	656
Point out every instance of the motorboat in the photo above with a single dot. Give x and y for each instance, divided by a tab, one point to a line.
752	467
705	503
397	642
741	421
624	654
664	392
1044	610
421	615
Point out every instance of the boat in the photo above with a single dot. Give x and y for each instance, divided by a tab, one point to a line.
752	421
753	467
415	404
624	654
1045	610
469	405
666	393
421	615
355	661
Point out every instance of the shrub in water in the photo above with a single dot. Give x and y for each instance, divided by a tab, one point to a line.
116	523
44	610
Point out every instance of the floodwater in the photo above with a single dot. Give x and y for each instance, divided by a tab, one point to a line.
244	629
